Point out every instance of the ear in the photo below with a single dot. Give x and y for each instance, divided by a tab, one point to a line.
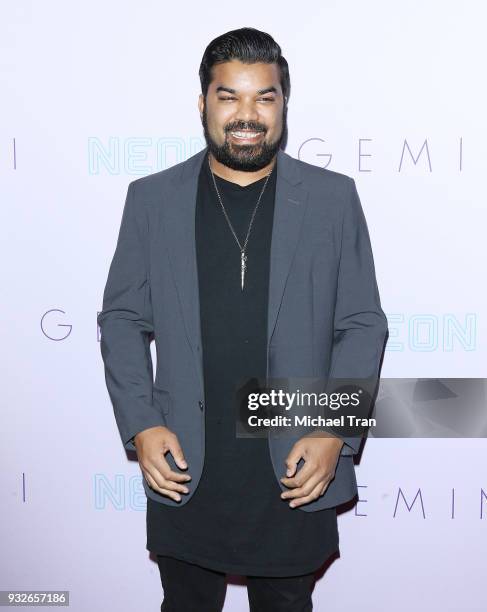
201	104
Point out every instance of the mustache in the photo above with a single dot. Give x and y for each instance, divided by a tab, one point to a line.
249	127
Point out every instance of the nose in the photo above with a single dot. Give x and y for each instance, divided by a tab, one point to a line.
247	112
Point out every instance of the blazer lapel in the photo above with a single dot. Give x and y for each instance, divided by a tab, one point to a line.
289	210
178	214
178	221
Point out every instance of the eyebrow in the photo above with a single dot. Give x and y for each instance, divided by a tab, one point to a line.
261	92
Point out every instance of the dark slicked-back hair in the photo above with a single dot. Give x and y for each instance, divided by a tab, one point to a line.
249	46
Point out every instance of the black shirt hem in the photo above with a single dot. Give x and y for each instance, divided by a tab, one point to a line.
248	570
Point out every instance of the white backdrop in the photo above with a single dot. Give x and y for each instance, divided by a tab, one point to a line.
95	94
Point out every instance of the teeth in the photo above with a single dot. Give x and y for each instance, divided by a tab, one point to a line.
245	134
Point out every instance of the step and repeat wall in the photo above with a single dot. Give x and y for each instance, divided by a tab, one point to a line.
95	95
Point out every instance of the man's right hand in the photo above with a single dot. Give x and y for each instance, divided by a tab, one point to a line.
152	444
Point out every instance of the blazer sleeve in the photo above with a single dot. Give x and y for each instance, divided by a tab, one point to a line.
360	325
126	325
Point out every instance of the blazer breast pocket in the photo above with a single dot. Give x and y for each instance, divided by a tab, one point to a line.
162	399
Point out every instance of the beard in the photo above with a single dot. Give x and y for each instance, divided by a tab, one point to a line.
244	157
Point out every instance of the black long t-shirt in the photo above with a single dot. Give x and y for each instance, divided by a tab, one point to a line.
236	521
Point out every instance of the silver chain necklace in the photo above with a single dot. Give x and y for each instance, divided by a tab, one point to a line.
243	256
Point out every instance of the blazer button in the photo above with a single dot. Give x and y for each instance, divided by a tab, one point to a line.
201	405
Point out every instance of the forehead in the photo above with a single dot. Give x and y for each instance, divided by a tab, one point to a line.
245	77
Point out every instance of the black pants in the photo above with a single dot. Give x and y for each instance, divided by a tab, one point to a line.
191	588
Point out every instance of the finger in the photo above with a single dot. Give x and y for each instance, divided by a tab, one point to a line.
164	468
305	489
314	494
153	485
164	477
166	483
292	460
177	452
175	476
305	472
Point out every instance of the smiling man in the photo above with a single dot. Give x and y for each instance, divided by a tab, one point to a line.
242	263
243	145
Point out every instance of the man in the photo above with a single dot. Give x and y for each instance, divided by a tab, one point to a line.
241	263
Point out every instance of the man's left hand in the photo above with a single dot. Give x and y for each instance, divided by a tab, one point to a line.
320	452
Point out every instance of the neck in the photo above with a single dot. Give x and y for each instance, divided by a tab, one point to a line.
238	176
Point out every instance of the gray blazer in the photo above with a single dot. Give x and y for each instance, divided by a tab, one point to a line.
324	313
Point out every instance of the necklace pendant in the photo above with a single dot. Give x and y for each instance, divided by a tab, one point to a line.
243	267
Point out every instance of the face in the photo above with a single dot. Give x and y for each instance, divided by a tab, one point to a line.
244	117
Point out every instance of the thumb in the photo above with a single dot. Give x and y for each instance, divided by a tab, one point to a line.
177	453
291	462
